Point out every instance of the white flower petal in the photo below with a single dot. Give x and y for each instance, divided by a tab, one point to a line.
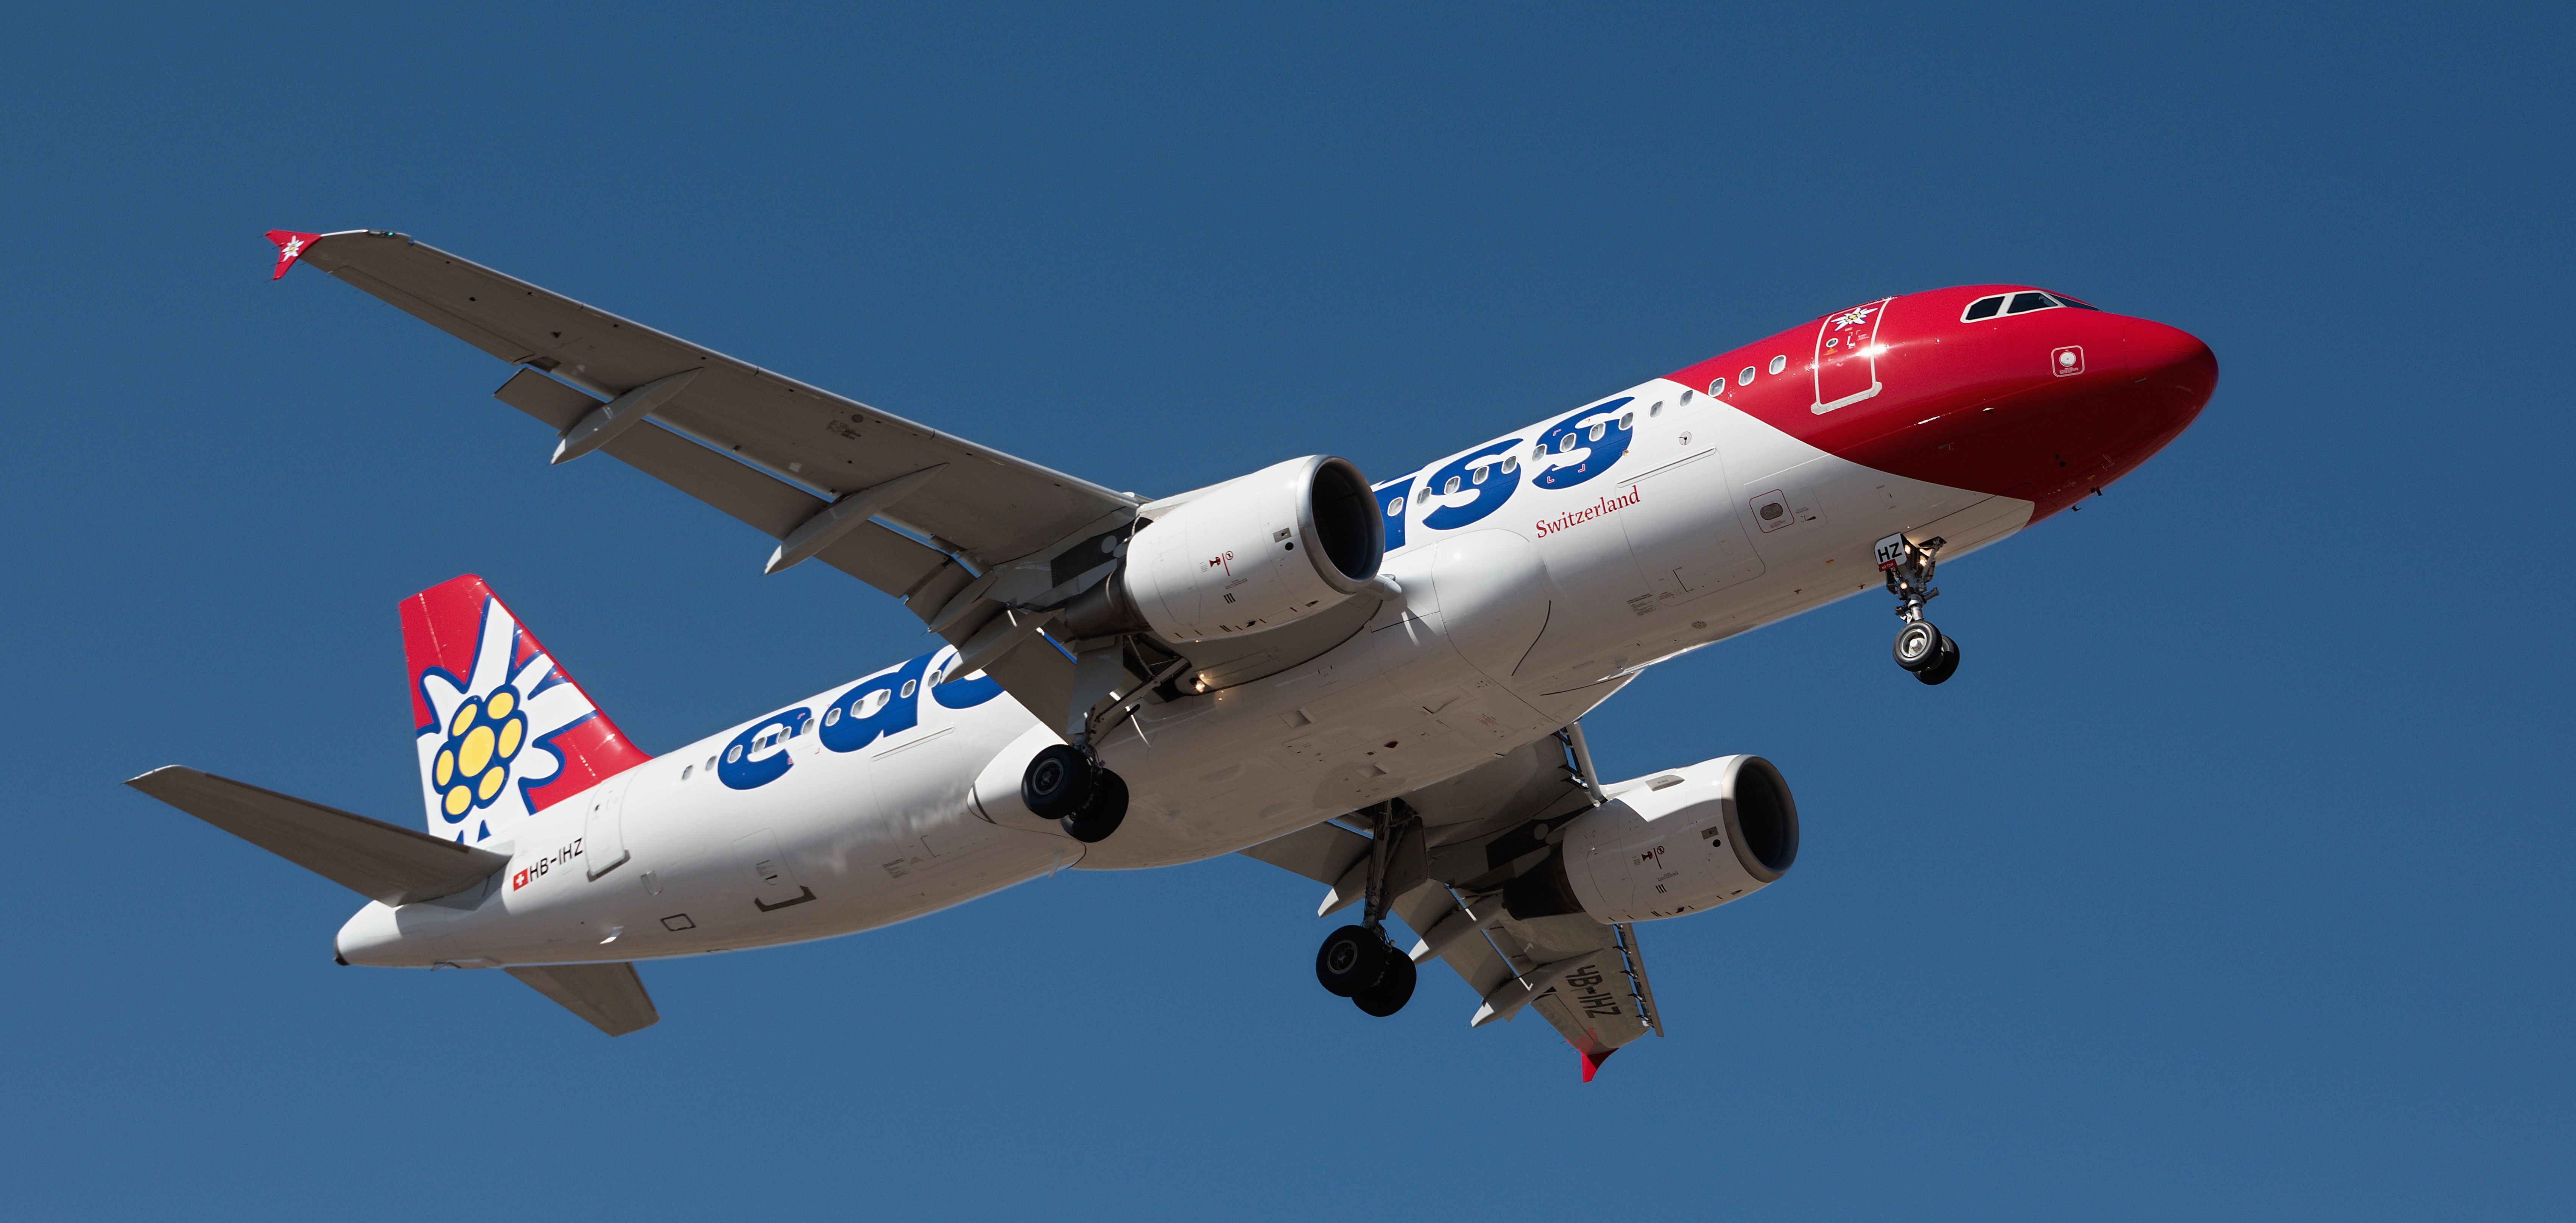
492	657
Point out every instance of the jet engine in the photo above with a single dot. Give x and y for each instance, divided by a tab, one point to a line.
1681	841
1251	554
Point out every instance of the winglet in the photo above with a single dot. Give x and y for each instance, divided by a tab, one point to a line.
1592	1061
290	247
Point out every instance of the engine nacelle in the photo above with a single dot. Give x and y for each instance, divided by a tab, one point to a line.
1253	553
1681	841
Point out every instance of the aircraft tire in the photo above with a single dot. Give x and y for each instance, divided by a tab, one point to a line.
1101	815
1918	646
1944	664
1350	960
1393	989
1058	782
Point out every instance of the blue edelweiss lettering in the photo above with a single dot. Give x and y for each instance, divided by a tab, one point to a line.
1390	501
963	692
758	756
1585	445
887	703
1471	488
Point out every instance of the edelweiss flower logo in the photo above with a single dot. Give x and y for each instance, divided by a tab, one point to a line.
1854	318
474	763
487	746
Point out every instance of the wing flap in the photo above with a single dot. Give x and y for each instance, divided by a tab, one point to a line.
370	857
1323	852
610	997
871	553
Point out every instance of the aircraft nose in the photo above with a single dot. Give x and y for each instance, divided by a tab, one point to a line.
2169	358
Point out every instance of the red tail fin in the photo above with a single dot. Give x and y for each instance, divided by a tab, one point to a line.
503	732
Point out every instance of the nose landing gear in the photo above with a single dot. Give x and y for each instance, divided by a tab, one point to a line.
1921	648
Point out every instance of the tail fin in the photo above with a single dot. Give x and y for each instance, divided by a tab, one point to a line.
503	732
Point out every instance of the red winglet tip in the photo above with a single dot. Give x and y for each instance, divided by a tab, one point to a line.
1592	1061
290	247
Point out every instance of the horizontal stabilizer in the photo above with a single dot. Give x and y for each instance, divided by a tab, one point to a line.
370	857
610	996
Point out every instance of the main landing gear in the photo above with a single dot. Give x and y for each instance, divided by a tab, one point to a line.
1920	647
1064	785
1358	962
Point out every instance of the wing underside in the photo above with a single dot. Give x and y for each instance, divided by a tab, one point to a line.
917	513
1466	839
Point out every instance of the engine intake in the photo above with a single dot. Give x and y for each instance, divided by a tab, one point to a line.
1684	840
1248	555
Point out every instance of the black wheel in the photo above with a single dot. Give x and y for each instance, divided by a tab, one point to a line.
1102	815
1943	666
1918	645
1350	960
1394	987
1058	782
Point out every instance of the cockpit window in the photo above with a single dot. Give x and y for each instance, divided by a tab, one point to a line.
2023	302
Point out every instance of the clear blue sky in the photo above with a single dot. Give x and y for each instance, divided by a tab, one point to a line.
2228	880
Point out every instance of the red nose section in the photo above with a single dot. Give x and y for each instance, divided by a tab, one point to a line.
2002	390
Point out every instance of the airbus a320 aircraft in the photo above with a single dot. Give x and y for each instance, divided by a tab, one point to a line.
1374	685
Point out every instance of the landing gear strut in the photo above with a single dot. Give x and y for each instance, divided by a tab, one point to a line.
1358	962
1920	648
1071	788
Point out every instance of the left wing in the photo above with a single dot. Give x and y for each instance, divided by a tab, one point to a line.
914	512
989	506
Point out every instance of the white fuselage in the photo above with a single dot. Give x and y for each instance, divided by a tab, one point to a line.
1508	627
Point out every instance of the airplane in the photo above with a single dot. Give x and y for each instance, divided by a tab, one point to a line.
1377	685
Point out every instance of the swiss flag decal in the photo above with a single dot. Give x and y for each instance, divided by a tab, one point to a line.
290	247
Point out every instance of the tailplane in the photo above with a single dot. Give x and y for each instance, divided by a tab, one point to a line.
503	732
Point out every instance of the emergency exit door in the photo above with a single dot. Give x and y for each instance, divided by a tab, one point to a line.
603	834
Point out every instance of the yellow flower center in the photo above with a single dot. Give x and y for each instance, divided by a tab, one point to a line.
473	766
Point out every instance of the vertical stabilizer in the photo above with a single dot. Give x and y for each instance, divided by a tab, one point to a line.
503	732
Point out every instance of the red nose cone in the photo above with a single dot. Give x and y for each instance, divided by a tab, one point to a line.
1992	388
2049	409
2170	358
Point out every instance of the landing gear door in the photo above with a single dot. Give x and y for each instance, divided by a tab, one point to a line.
1846	364
603	833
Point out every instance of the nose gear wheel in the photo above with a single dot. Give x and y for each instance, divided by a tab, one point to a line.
1920	647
